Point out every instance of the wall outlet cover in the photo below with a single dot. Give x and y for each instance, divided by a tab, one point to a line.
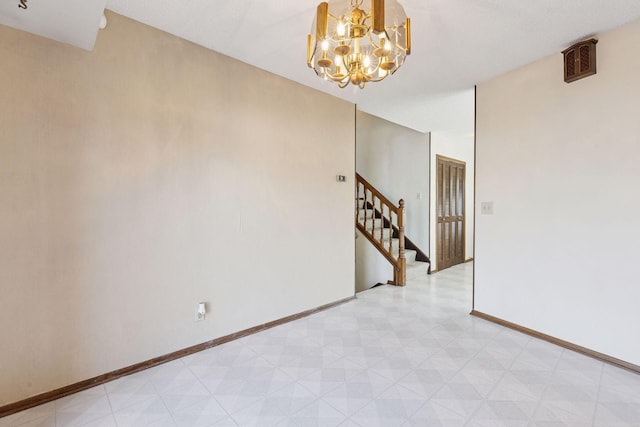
201	312
486	208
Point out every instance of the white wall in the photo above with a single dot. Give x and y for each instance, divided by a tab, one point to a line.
395	160
560	163
149	175
459	147
371	266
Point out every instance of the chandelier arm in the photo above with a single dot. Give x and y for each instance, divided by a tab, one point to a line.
328	76
333	79
376	79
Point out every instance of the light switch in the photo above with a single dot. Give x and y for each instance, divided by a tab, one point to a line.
486	208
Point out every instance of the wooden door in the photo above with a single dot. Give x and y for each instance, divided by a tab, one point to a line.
450	238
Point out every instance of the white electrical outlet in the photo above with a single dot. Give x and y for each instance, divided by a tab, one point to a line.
201	312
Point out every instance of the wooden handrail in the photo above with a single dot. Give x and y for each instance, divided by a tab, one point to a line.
389	217
378	194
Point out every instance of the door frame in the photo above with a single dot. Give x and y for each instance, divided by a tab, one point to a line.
464	210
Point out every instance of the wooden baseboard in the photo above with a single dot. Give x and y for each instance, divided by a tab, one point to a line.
466	261
562	343
50	396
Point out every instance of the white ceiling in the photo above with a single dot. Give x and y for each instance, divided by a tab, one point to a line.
68	21
455	43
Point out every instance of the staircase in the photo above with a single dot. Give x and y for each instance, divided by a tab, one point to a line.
382	223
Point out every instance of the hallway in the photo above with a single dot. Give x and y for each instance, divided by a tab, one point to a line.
408	356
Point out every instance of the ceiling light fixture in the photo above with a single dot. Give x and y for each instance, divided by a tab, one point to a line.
358	44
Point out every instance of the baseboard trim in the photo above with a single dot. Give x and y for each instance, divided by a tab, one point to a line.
557	341
466	261
50	396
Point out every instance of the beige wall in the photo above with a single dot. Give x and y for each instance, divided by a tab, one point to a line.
560	163
149	175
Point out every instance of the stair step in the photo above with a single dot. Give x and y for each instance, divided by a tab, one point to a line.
386	236
369	213
374	226
386	233
409	255
365	213
417	269
372	222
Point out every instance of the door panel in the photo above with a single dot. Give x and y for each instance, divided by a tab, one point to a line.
450	238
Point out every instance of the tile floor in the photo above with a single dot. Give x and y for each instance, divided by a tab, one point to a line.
393	357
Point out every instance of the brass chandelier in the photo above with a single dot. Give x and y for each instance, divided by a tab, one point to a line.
356	43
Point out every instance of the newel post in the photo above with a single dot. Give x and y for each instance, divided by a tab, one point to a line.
401	278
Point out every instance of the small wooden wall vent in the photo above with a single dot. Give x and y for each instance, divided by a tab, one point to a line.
580	60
